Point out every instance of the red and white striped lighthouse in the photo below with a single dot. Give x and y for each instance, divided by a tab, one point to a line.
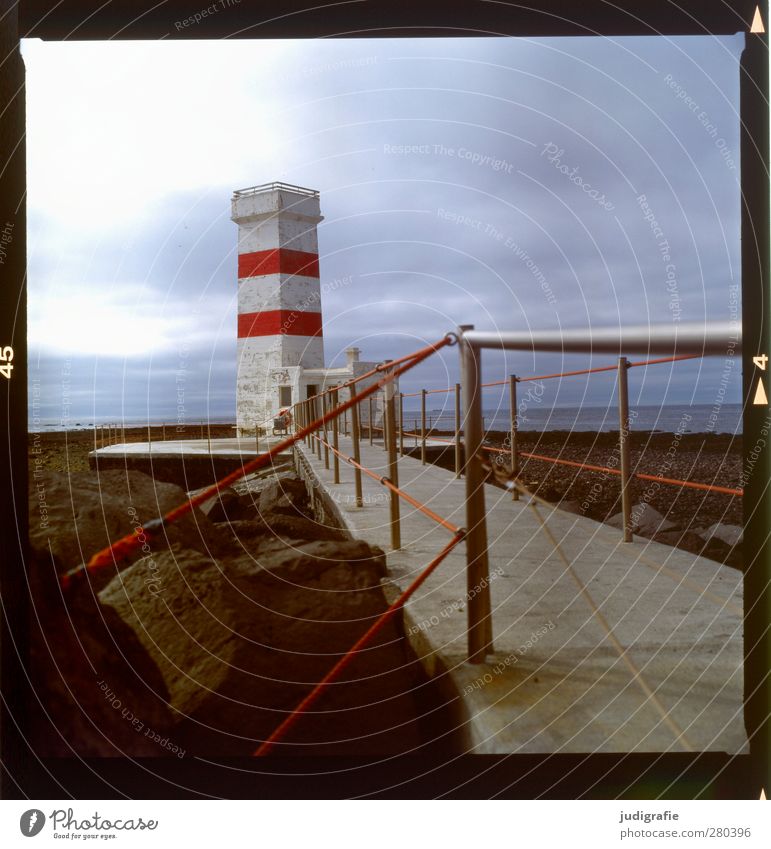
279	298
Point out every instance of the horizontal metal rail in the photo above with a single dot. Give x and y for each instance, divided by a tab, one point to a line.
701	338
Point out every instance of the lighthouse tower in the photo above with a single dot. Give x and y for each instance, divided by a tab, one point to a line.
279	298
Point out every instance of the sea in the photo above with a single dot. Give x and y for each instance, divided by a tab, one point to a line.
47	425
670	418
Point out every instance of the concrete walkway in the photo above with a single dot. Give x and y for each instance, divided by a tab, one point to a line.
556	683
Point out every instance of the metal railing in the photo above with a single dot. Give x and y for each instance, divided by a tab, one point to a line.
680	342
317	414
272	187
674	340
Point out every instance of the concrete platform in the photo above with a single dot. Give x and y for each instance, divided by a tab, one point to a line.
555	682
229	447
191	463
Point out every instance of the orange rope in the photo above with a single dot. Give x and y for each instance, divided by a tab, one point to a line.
665	360
708	487
390	485
349	656
378	368
567	373
128	543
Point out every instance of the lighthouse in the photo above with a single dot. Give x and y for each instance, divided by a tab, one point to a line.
279	299
280	344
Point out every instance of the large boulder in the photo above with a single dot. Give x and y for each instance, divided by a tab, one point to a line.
241	642
646	521
288	496
80	513
730	535
221	506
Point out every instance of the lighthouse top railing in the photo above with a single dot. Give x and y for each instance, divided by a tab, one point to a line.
273	187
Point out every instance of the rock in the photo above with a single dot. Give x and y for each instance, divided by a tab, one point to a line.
86	511
257	481
731	535
646	521
100	693
288	496
240	643
273	525
218	506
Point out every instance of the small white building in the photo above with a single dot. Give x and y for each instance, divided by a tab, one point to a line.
280	326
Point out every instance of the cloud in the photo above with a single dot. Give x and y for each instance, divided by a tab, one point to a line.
443	198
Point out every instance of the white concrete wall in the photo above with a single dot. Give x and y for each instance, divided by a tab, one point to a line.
278	292
264	364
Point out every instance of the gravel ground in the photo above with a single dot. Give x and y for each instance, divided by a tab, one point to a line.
700	457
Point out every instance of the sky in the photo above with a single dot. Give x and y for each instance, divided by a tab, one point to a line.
504	183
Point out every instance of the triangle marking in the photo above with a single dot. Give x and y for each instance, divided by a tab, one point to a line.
760	394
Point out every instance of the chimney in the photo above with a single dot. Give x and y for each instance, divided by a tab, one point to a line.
353	355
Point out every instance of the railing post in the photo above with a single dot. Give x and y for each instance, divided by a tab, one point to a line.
513	414
423	426
480	638
389	437
335	439
371	437
623	446
458	460
257	438
356	453
401	424
383	397
324	411
164	431
317	415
